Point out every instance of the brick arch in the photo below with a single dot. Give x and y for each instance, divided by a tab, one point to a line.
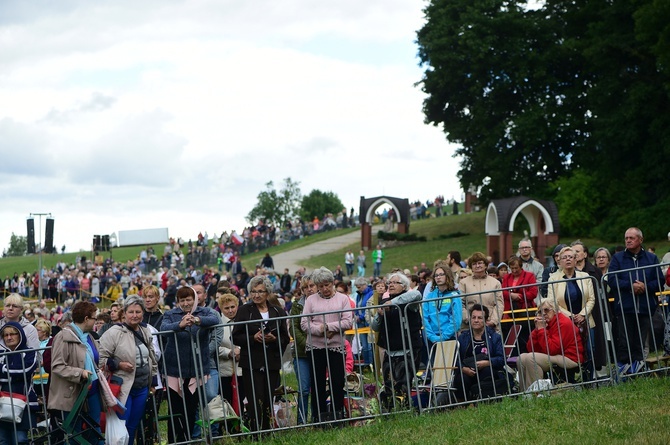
366	216
501	214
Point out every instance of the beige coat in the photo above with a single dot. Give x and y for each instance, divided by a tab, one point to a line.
118	344
556	294
227	364
68	356
485	291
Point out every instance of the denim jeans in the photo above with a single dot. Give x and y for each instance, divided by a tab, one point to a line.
137	400
365	349
302	366
211	391
378	269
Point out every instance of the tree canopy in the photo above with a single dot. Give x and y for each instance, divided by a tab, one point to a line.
18	245
572	97
277	206
318	203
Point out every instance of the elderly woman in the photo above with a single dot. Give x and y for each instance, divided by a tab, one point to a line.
262	343
482	289
603	258
127	351
399	336
481	358
16	374
302	363
41	383
325	321
574	299
187	369
74	358
442	307
554	341
13	311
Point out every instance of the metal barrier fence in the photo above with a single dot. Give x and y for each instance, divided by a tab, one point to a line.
414	373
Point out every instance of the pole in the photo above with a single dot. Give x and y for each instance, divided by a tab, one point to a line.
39	271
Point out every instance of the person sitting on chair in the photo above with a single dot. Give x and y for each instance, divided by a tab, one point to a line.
554	341
481	358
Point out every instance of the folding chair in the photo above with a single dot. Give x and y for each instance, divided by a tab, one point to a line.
442	364
68	426
510	344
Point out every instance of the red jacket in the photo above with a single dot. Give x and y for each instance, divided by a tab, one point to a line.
560	337
529	293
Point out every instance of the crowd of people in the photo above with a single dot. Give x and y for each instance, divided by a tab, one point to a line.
184	338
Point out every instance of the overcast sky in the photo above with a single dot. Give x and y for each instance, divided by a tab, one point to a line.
166	113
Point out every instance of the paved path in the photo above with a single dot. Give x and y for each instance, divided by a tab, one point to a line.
293	258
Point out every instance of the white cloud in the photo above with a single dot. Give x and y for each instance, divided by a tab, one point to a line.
122	115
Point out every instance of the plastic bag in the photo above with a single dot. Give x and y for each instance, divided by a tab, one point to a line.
115	431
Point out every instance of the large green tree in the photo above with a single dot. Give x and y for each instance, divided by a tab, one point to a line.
277	206
18	245
318	203
533	96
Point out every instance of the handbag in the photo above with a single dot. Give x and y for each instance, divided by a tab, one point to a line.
115	430
12	406
108	398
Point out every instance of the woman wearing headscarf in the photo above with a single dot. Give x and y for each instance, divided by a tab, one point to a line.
16	375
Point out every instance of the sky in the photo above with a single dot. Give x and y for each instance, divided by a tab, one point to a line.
167	113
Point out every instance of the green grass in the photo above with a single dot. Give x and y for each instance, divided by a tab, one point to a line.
30	263
407	255
635	412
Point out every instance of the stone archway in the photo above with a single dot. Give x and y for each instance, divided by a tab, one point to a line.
366	216
501	214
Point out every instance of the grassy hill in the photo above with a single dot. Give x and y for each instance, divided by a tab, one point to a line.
464	233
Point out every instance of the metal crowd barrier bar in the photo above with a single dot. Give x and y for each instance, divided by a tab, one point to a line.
637	345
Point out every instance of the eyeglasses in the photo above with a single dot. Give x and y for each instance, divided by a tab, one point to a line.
438	275
395	283
12	306
258	292
547	310
524	247
10	334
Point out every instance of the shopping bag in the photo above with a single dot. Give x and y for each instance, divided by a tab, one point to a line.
12	407
107	395
115	431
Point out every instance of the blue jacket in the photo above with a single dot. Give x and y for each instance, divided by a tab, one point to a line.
495	345
442	314
16	369
183	346
361	302
621	283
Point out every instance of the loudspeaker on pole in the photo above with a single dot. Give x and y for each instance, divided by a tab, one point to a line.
30	223
49	238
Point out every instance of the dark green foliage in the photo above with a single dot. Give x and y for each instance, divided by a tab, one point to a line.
18	245
394	236
450	235
277	207
567	102
318	203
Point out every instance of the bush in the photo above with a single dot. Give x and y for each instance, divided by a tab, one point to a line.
450	235
393	236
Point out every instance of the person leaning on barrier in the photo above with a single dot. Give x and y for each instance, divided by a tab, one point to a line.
262	345
442	307
635	299
186	368
16	374
481	359
554	341
402	356
325	323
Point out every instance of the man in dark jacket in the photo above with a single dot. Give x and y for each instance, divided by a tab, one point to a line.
634	284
